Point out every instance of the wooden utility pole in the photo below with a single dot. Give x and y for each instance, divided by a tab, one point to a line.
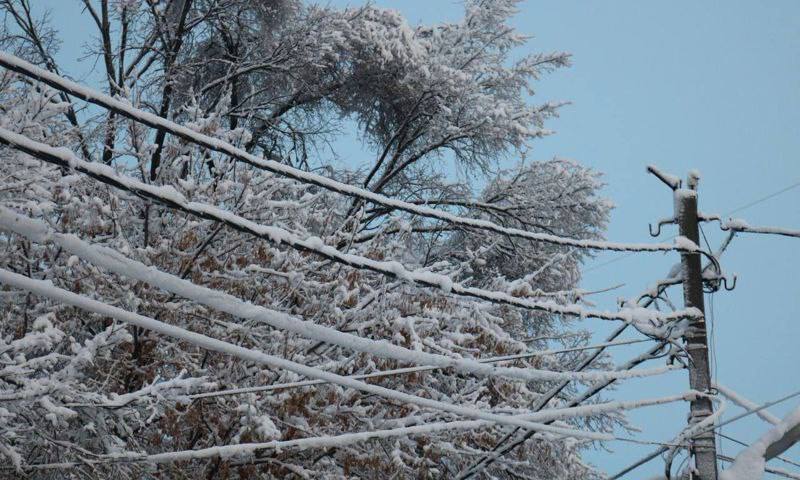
703	448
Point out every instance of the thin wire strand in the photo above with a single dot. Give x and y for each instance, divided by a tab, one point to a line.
764	198
727	437
714	363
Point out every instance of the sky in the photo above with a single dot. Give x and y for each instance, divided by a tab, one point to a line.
712	86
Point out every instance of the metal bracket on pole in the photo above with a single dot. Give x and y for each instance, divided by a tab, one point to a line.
671	181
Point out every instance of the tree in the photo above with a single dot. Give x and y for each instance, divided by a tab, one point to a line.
283	79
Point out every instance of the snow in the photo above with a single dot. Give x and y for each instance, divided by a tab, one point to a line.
684	193
55	412
736	224
401	371
172	388
248	449
685	244
693	179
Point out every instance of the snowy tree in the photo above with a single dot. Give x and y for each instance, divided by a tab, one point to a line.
283	80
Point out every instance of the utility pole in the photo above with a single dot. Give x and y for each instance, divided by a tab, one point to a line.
703	448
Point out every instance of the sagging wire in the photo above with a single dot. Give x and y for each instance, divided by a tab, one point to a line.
735	418
693	431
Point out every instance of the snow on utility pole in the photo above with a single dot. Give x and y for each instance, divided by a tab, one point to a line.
703	447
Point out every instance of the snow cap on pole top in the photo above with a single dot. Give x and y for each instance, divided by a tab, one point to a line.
693	179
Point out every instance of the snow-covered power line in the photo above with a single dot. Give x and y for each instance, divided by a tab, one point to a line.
46	289
402	371
758	409
744	444
22	67
171	198
746	404
246	450
117	263
739	225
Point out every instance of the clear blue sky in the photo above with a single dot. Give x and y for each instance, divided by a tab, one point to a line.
708	85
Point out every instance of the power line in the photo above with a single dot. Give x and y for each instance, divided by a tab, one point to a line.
279	236
764	198
731	212
606	263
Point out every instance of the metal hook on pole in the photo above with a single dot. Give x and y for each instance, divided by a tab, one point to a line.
661	223
732	284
